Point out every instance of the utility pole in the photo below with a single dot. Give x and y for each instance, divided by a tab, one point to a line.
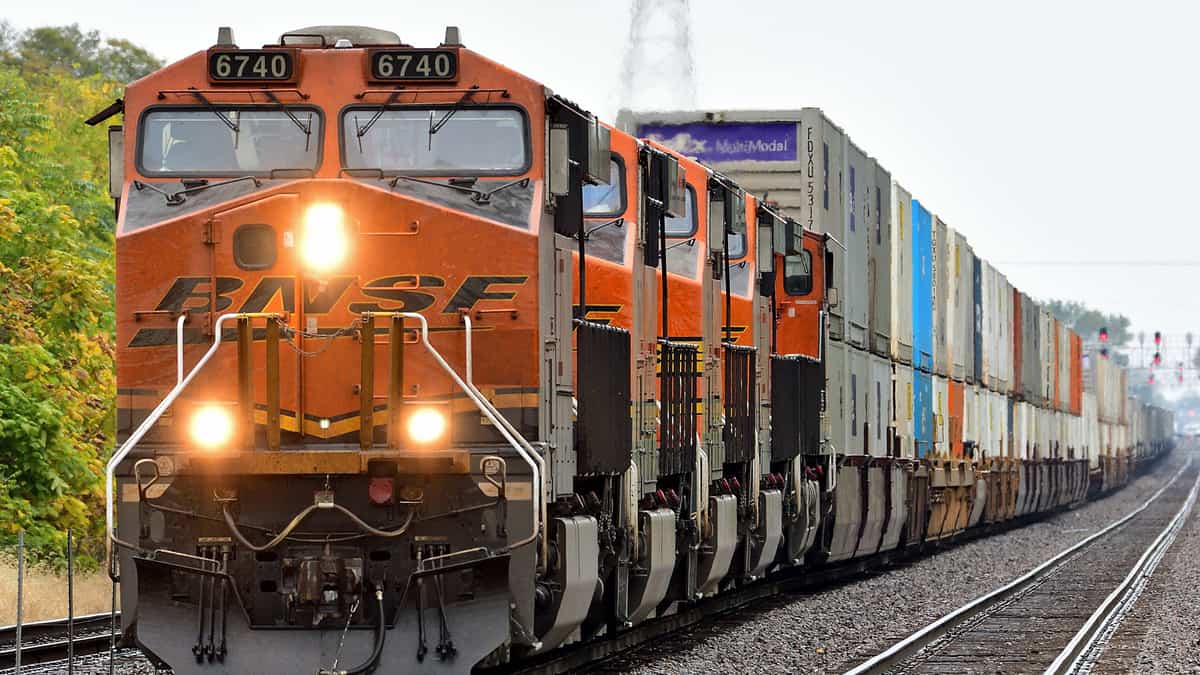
658	72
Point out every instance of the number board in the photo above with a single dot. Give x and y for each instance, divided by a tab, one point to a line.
414	64
243	65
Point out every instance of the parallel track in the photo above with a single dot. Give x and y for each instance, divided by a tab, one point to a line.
1050	619
46	641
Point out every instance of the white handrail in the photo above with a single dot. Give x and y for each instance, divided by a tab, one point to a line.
527	452
179	347
144	427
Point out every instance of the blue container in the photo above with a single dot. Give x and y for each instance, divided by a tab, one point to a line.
922	292
923	412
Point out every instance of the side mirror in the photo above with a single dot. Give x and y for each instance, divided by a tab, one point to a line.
766	241
599	153
674	190
116	160
559	171
716	218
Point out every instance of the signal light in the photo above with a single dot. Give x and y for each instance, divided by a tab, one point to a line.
1157	358
1104	352
1157	338
1104	334
1151	378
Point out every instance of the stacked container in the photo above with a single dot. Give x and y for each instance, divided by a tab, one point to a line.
963	338
902	247
922	288
879	260
859	180
942	235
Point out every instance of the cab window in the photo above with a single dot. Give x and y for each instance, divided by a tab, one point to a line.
797	273
436	140
228	141
606	201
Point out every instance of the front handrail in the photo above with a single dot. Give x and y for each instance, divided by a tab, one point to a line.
144	428
526	450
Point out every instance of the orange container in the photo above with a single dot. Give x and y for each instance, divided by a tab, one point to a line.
955	411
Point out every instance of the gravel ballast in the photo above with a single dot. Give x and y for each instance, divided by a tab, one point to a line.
836	628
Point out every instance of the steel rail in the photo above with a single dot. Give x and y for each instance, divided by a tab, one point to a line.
901	651
49	649
1108	615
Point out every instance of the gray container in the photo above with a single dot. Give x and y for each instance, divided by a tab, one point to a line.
902	277
1031	381
879	261
879	406
859	179
942	235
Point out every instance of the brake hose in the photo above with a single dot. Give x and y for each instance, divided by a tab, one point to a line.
299	518
376	651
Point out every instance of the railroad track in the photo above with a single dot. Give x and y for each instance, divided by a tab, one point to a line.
1056	618
47	641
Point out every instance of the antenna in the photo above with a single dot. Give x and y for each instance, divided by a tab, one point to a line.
658	72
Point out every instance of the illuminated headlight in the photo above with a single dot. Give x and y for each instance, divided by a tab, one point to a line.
211	426
425	425
323	244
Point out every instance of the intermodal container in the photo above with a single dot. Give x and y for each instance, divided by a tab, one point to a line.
1017	344
902	275
922	288
942	237
860	204
1076	366
879	406
941	417
1046	354
879	260
976	367
902	406
963	295
923	412
1064	368
1055	356
836	396
954	409
1031	378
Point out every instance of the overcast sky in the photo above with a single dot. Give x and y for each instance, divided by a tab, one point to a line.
1044	131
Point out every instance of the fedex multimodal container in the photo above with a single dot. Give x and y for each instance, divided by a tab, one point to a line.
963	311
922	287
879	262
902	275
923	412
942	235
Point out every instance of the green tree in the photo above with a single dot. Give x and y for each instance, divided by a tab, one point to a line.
56	309
70	50
1088	322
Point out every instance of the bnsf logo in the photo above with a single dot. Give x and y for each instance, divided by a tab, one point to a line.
398	293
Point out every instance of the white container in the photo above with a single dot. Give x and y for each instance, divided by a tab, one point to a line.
1091	431
836	397
999	423
943	235
859	383
902	404
963	310
901	273
879	260
941	416
1004	345
879	406
1064	367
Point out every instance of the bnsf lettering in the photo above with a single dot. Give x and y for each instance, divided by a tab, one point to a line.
198	288
396	293
399	289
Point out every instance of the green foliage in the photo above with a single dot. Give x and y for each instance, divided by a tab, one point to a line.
56	300
67	50
1088	322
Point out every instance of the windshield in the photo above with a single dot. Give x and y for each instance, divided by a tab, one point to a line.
436	141
228	141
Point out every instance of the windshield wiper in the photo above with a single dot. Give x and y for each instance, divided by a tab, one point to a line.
306	128
233	126
362	131
463	185
436	127
180	196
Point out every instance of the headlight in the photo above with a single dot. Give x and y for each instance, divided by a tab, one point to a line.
426	425
212	426
323	245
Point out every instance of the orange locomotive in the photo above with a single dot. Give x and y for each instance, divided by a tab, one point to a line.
400	382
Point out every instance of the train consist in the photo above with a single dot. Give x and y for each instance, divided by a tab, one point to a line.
423	368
